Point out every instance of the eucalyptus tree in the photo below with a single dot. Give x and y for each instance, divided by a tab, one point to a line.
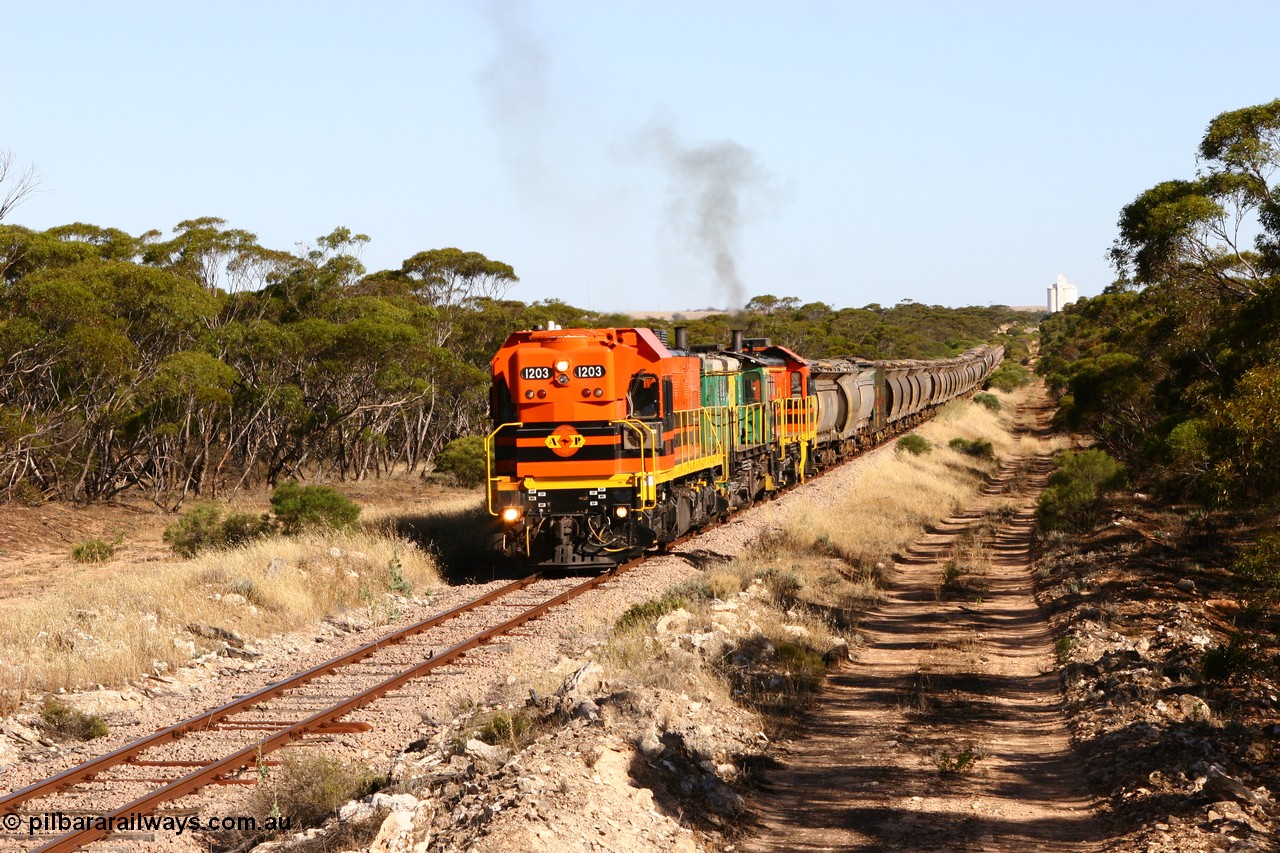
450	281
1178	363
205	250
78	342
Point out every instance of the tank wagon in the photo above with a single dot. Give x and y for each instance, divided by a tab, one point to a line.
608	442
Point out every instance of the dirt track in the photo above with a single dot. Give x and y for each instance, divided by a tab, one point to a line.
948	733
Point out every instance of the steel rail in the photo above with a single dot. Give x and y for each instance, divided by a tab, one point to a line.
210	773
203	722
249	755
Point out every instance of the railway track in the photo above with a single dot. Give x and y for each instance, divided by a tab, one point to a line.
228	744
222	745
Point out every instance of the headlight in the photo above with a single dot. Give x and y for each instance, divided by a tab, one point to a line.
562	365
621	511
562	379
510	514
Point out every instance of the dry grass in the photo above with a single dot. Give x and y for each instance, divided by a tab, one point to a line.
771	661
135	622
635	656
442	509
839	551
453	525
967	569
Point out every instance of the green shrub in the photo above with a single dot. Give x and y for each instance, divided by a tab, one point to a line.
977	447
199	529
804	668
396	581
65	721
962	761
241	527
784	585
1230	660
464	460
1009	377
1259	564
512	729
206	527
914	444
298	508
1062	649
951	573
991	401
25	494
645	613
1075	491
694	589
1189	443
93	551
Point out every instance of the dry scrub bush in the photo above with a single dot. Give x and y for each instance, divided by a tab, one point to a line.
63	721
724	585
636	657
309	789
135	622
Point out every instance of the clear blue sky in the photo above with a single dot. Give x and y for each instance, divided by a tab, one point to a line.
613	153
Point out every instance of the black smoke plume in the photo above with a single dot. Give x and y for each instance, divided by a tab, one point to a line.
707	186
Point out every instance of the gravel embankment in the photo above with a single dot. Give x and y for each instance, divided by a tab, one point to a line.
549	645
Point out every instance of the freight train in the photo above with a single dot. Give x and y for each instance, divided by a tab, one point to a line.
609	442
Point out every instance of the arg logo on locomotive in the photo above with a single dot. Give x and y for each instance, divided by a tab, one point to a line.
565	440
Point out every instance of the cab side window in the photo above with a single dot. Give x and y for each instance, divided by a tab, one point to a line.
500	402
642	396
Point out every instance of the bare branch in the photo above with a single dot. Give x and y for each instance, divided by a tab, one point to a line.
23	185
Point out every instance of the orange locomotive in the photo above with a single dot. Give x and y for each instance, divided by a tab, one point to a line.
608	442
604	446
